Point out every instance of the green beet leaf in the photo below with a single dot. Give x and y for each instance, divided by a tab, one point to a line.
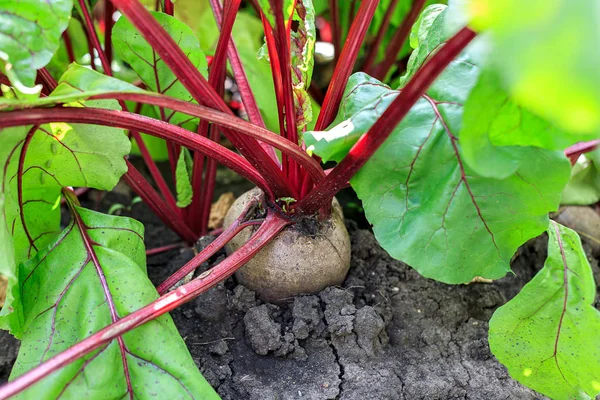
497	133
93	274
56	155
183	173
131	47
30	33
79	83
427	206
547	336
430	210
36	163
548	54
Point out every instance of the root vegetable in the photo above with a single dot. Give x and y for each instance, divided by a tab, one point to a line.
304	258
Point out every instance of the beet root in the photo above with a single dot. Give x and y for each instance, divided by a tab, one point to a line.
304	258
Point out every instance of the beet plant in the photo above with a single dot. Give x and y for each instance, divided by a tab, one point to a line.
458	157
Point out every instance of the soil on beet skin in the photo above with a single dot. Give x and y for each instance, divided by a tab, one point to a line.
387	333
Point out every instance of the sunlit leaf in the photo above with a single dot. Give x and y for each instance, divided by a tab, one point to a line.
547	336
548	54
497	133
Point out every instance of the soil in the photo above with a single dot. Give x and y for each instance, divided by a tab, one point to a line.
387	333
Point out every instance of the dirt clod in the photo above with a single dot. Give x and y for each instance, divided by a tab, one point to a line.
370	330
307	316
263	333
9	347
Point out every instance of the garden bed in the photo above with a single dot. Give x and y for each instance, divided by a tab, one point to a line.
387	333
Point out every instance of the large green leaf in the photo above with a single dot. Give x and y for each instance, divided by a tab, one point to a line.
427	206
92	275
497	133
548	335
131	46
79	83
55	155
30	32
548	54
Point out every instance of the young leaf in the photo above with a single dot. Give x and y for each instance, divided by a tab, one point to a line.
427	34
422	26
584	186
302	52
183	174
497	133
30	32
527	38
130	46
547	336
427	206
92	275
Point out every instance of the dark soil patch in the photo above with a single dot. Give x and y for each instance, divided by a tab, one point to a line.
387	333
